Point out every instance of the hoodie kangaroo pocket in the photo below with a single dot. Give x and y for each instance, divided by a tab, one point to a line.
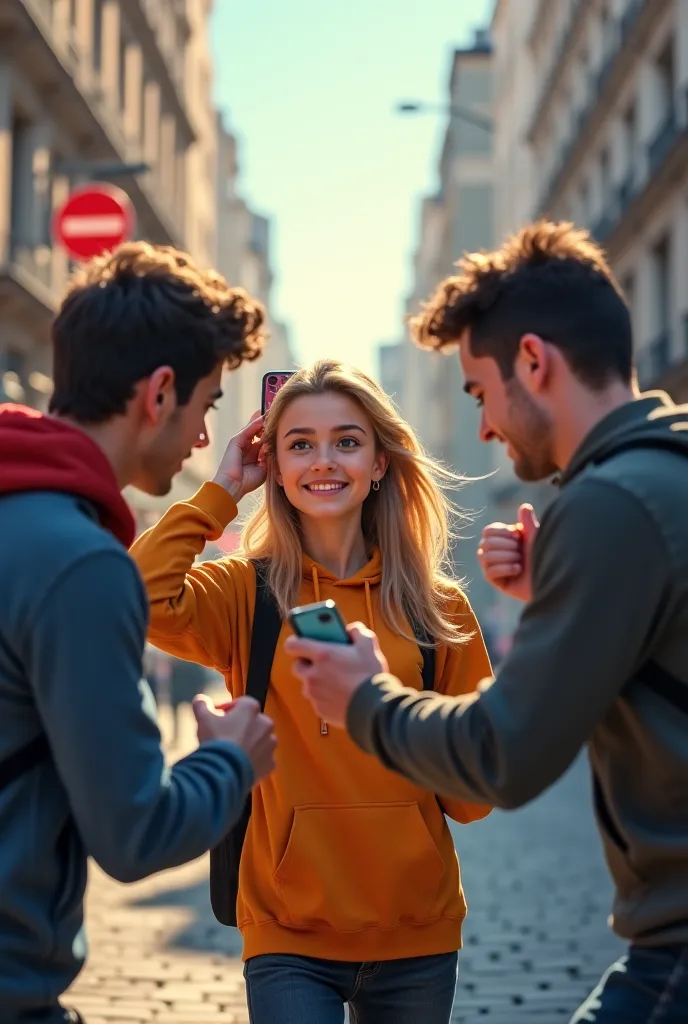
359	866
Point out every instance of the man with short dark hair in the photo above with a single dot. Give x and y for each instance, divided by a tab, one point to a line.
139	343
600	657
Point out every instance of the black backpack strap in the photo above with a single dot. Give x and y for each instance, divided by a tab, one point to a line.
24	759
423	638
226	857
267	623
428	667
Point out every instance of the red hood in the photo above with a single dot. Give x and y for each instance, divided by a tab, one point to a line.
38	453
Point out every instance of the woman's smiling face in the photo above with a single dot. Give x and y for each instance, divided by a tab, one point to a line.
326	455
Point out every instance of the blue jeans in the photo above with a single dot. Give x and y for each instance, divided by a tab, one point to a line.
305	990
649	986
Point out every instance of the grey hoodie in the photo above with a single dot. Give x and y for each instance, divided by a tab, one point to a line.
610	593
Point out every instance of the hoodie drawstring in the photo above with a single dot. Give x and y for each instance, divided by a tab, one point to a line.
369	606
369	615
316	589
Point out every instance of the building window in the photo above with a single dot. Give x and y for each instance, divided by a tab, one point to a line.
473	228
605	179
666	78
665	118
472	140
583	76
628	286
19	181
122	76
630	139
606	30
584	203
474	86
661	282
97	35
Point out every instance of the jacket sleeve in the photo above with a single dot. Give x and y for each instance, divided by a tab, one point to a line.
600	575
83	652
460	669
195	610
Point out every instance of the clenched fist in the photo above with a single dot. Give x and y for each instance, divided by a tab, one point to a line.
505	554
242	722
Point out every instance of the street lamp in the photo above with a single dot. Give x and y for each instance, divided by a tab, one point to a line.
459	113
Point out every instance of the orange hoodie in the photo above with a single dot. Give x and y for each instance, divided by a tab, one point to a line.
343	858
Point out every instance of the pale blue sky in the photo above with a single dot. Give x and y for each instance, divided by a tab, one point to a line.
309	88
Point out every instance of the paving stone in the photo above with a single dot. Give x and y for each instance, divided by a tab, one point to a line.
538	898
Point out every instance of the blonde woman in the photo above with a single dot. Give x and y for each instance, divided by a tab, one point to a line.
349	888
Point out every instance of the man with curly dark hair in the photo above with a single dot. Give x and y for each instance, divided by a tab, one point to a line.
140	343
600	656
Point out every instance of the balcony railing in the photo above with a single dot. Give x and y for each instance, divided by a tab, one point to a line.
658	150
61	36
565	41
654	360
103	110
156	14
33	265
61	39
597	79
35	261
599	82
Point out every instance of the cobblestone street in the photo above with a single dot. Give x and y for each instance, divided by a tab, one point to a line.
536	938
535	941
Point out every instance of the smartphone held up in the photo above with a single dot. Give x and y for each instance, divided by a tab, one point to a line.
273	380
320	621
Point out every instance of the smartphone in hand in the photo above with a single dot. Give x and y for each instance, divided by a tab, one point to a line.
320	621
272	382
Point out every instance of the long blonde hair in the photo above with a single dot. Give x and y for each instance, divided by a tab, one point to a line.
407	518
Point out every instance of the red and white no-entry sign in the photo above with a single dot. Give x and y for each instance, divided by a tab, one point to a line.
94	218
